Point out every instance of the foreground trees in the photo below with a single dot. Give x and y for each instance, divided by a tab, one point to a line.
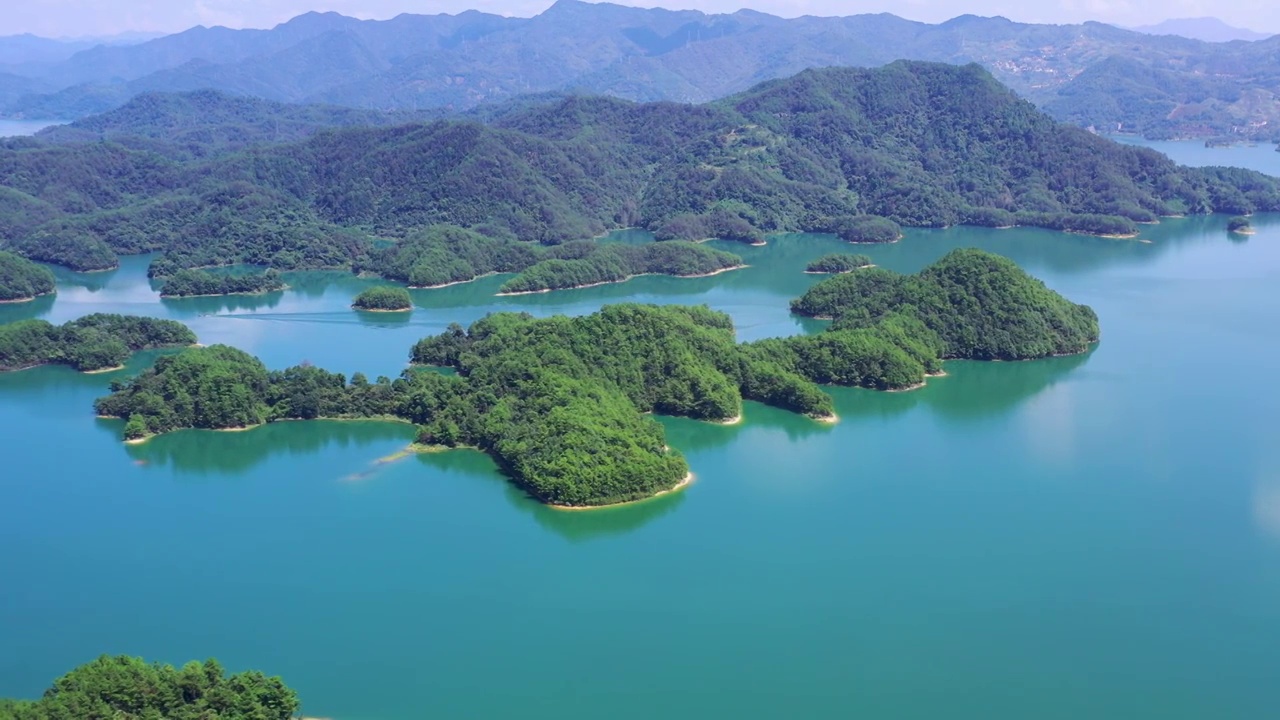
116	688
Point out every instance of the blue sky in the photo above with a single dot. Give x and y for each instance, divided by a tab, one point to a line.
64	18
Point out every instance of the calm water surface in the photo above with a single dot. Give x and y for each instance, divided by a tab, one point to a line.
1096	536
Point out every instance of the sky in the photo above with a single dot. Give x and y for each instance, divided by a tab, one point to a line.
98	18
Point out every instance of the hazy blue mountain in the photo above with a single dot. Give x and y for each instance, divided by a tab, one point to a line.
1209	29
466	60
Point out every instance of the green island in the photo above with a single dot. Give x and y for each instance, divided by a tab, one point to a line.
843	150
443	255
837	263
384	298
129	687
560	403
866	229
202	283
1240	226
977	305
22	280
93	343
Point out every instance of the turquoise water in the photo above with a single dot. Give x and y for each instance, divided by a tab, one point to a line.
1094	536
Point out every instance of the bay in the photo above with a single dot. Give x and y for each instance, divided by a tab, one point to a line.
1093	536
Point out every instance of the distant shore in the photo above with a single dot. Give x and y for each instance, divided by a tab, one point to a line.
686	482
839	272
713	273
451	284
17	301
230	294
382	310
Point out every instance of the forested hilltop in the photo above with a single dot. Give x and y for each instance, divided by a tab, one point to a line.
127	687
560	402
915	143
1090	73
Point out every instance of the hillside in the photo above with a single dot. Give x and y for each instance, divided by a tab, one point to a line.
921	144
473	58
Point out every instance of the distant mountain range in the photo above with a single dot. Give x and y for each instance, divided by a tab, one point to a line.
1092	74
1208	29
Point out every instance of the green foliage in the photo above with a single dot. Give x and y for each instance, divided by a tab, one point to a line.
215	387
193	283
443	254
979	306
591	264
1239	225
866	229
836	150
560	402
127	687
21	279
383	297
63	243
93	342
838	263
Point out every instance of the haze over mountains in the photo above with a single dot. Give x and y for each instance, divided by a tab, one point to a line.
1206	28
1091	74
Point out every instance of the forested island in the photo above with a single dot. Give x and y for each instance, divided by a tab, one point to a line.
384	298
202	283
128	687
89	344
974	305
837	263
22	280
1240	226
560	402
840	150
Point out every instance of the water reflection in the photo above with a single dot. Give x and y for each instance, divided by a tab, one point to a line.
206	453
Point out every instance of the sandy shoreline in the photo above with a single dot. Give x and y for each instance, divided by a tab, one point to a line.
103	370
451	284
839	272
18	301
735	420
686	482
713	273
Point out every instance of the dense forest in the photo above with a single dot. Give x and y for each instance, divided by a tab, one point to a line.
196	283
978	305
384	299
93	342
837	263
913	143
444	254
126	687
21	279
560	402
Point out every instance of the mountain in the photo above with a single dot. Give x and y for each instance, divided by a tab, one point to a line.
1208	29
466	60
205	122
922	144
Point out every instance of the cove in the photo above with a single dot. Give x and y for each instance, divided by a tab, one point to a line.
1089	536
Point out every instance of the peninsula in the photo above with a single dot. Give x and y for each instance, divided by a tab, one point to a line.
22	280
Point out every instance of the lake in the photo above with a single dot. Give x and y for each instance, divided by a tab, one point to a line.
1093	536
